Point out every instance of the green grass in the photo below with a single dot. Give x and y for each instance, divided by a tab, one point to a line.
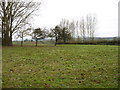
64	66
29	43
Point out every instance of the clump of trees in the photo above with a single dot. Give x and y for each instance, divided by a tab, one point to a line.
13	16
82	30
60	34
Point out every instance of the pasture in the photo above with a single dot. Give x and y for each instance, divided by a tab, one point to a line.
63	66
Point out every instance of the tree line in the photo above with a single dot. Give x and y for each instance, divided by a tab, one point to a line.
66	31
14	20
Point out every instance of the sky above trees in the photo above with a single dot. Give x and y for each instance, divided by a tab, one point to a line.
106	12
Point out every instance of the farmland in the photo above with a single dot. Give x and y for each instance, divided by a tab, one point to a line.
63	66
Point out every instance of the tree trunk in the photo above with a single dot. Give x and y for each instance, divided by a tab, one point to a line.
10	41
6	39
36	42
6	32
64	39
56	41
22	42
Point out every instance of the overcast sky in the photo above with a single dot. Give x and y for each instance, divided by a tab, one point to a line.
106	12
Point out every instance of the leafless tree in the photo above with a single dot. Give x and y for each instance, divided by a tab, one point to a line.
24	31
72	28
13	15
82	29
64	23
90	26
77	30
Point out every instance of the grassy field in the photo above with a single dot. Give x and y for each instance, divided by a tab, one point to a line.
63	66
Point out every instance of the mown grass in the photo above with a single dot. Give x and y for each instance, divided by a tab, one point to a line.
63	66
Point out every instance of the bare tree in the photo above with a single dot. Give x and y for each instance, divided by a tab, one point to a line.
90	25
23	32
72	29
77	29
13	15
64	23
82	29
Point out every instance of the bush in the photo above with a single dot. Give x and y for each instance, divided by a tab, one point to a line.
93	42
